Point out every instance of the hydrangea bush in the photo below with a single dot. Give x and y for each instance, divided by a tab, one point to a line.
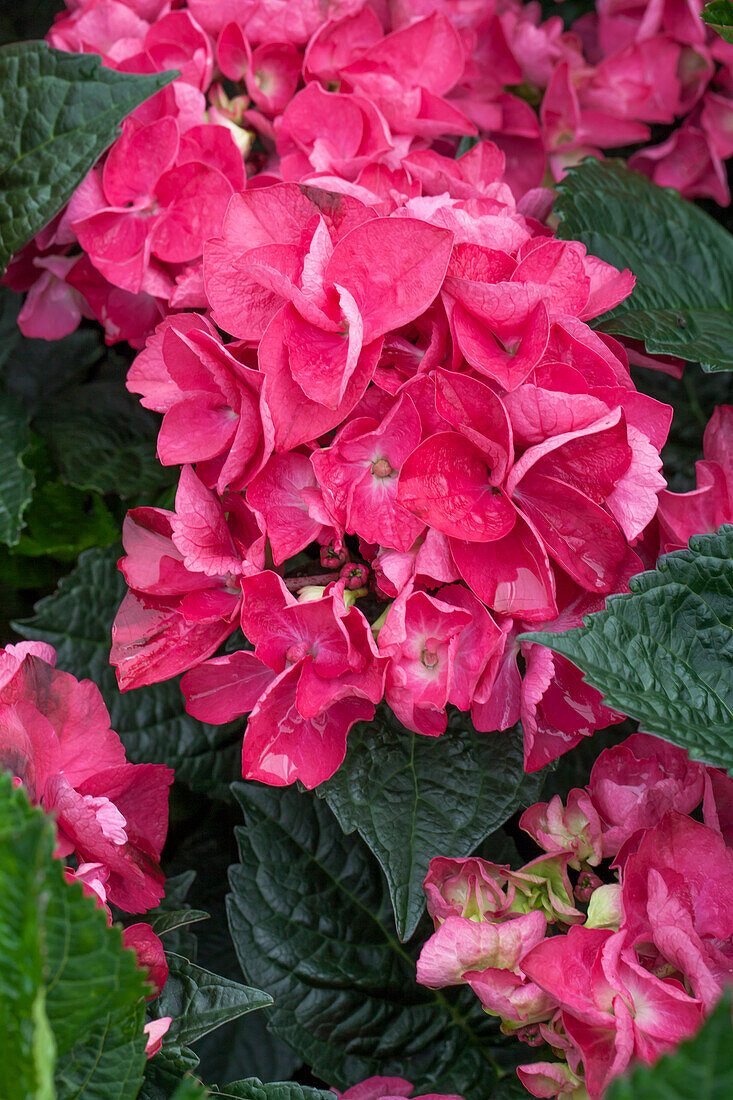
392	341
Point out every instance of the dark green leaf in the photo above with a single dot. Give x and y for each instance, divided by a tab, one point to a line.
165	1071
312	923
245	1046
413	797
101	438
58	113
190	1089
62	522
200	1001
175	918
700	1069
663	653
152	722
71	997
251	1088
16	481
35	370
682	258
718	14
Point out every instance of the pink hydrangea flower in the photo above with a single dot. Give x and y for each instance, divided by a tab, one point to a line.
676	888
613	1010
389	1088
575	829
55	738
634	784
682	515
315	671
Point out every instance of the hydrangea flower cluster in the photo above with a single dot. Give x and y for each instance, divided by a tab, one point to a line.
627	968
111	816
413	405
356	97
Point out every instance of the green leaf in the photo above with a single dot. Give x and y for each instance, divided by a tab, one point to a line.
16	481
165	1071
154	727
58	113
251	1088
71	997
200	1001
101	438
700	1069
682	258
175	918
663	653
190	1088
36	370
718	14
62	522
311	921
413	797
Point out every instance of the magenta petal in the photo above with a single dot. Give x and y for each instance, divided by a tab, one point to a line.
579	534
199	529
151	641
194	429
447	483
512	575
224	688
280	746
393	268
297	419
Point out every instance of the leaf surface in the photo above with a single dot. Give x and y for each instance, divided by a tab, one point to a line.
718	14
200	1001
663	653
682	258
71	997
58	113
16	480
312	924
413	797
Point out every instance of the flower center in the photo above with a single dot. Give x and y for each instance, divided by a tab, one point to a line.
429	659
382	468
296	652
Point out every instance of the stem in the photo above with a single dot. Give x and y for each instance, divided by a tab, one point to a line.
294	584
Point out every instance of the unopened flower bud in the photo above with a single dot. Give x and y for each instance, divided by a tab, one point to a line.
355	575
332	558
605	909
310	592
586	884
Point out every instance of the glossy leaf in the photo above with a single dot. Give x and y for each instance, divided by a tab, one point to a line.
16	480
200	1001
718	14
58	113
682	303
412	797
663	653
312	924
71	997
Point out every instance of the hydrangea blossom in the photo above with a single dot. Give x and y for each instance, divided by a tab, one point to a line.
635	974
373	359
111	816
352	96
